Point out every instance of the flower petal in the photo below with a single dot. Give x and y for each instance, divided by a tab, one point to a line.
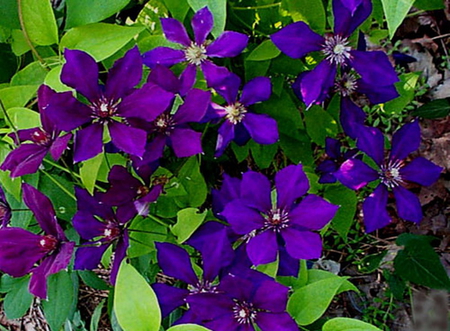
405	141
169	297
187	79
313	213
175	262
304	245
291	183
59	146
408	205
88	258
315	84
275	321
229	44
351	117
194	107
242	219
376	93
271	296
256	90
88	142
255	191
186	142
263	248
224	137
119	254
297	39
215	75
165	78
202	24
382	74
165	56
87	226
81	72
421	171
374	209
24	160
349	15
371	141
229	88
262	128
355	174
128	139
175	31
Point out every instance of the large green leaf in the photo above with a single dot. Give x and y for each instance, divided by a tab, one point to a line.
24	118
40	22
9	14
187	327
178	8
320	124
311	12
81	12
434	109
135	303
346	199
188	220
219	10
265	51
151	14
144	232
405	88
100	40
18	299
347	324
395	12
194	184
32	74
89	171
17	96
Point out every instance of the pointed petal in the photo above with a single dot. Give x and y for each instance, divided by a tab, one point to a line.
304	245
169	297
175	262
371	141
408	205
224	137
165	56
374	209
242	219
262	128
45	94
291	183
313	213
187	79
186	142
288	266
89	258
376	93
129	140
349	15
256	90
88	142
119	254
153	151
355	174
263	248
297	39
229	44
202	24
351	116
405	141
164	77
124	75
421	171
24	160
175	31
87	226
92	204
382	74
271	296
81	72
275	321
316	84
214	75
194	107
333	147
229	88
59	146
255	191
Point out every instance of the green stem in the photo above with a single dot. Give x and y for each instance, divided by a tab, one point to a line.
157	220
59	185
149	232
11	124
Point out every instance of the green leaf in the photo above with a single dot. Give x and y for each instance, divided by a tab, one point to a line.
194	184
434	109
429	4
81	12
40	22
188	220
100	40
320	124
263	154
145	232
420	264
370	263
91	279
53	80
19	44
151	14
187	327
178	8
405	88
95	319
9	14
308	303
315	275
32	74
110	160
89	171
60	298
135	303
347	200
219	10
395	12
18	299
311	12
265	51
348	324
17	96
24	118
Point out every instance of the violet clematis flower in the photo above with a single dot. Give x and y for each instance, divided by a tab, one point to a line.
394	172
287	223
197	53
100	228
22	250
5	210
27	158
240	123
110	105
297	39
242	303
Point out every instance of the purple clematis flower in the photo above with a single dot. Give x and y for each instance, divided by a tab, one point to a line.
197	53
394	172
288	223
240	123
110	105
242	303
22	250
100	228
373	68
5	210
27	158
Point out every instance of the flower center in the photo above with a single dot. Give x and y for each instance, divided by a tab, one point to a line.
336	49
390	173
203	286
244	312
277	219
195	54
347	85
40	137
48	243
235	112
104	108
164	123
112	231
142	190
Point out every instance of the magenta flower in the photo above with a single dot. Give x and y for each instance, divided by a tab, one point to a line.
27	158
196	53
42	255
393	173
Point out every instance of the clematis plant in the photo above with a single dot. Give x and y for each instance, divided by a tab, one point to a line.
393	173
42	255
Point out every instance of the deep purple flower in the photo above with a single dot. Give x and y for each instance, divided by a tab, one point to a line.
242	303
196	53
109	105
100	228
240	122
288	223
297	39
5	210
27	158
394	173
21	250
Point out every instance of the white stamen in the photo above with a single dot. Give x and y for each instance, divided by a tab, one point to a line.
336	50
235	112
195	54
